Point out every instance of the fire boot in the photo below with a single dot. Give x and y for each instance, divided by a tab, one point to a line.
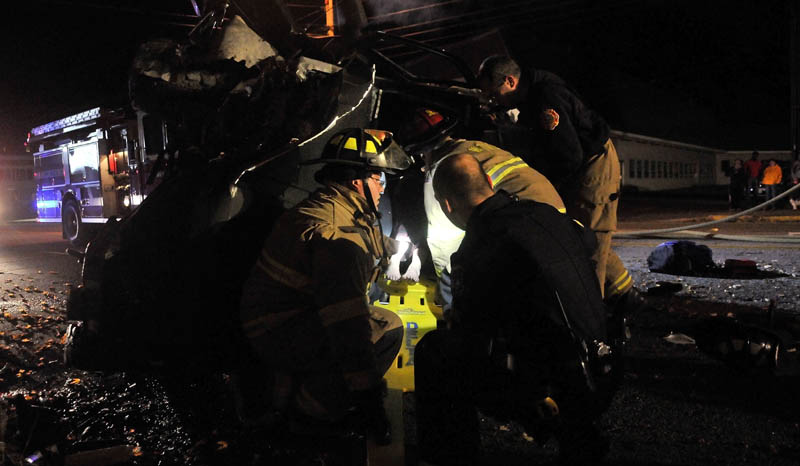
369	407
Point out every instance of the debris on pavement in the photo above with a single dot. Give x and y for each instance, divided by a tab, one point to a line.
662	288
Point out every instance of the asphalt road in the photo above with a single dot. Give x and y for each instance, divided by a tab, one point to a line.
27	248
677	405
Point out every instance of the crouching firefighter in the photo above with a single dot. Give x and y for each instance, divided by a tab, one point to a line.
322	349
506	171
526	340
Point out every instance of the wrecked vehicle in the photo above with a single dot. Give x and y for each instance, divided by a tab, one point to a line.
160	286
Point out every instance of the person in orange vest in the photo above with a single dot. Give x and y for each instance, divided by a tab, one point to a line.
772	180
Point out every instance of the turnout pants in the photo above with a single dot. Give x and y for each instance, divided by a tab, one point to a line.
593	200
301	368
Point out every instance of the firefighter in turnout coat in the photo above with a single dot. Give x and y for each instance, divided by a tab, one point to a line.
304	307
570	145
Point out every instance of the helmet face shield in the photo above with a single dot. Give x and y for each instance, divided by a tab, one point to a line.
369	149
390	158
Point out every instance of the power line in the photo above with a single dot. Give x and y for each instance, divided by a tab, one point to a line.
123	9
418	8
556	19
473	13
501	19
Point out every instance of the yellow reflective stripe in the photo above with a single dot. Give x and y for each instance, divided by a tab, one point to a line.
255	332
563	210
621	277
256	327
579	223
283	274
625	284
370	148
351	144
620	284
492	170
498	177
343	310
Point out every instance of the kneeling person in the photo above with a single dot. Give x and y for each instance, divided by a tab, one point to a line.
304	307
526	341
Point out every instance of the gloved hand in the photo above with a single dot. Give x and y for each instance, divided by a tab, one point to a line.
369	406
393	271
412	273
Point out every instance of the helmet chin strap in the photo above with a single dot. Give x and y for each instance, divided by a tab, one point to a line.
374	209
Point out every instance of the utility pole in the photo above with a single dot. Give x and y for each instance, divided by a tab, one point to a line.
329	21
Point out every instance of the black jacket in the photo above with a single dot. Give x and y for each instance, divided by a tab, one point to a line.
517	260
559	152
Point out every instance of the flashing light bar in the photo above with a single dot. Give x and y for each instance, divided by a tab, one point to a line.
73	120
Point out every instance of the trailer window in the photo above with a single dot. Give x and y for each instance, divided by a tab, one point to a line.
632	169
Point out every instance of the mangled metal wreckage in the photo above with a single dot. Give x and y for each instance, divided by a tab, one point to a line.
161	286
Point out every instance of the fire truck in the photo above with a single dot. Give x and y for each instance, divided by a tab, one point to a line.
93	166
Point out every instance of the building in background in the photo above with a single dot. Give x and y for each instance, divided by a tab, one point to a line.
17	189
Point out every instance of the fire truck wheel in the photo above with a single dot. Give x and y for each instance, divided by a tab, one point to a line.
74	228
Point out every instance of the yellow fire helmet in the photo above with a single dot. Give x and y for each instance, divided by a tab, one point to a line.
368	149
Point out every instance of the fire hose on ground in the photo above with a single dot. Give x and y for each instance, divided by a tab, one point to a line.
684	231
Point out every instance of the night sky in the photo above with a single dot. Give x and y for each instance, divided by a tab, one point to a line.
709	72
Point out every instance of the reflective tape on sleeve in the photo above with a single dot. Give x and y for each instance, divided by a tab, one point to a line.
621	284
283	274
501	170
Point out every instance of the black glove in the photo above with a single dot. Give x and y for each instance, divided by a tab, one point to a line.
369	408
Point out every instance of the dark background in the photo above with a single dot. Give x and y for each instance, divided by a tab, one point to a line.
714	72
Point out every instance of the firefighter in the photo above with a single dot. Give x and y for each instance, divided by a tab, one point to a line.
506	171
304	307
526	337
570	145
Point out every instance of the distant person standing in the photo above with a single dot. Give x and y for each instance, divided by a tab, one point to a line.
772	180
753	169
737	184
795	200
